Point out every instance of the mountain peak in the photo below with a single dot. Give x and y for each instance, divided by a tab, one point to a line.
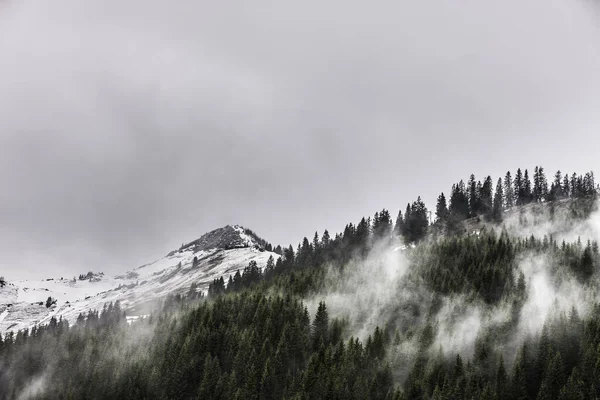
227	238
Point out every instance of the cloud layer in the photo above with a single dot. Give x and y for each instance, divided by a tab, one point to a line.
128	127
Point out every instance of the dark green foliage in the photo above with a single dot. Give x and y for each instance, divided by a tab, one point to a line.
519	189
482	266
478	199
561	363
321	327
474	197
246	345
416	221
485	198
382	225
459	202
441	209
252	337
498	205
509	193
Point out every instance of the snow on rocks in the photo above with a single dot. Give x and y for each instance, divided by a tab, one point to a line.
23	303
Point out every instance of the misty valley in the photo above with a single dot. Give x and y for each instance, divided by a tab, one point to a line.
494	295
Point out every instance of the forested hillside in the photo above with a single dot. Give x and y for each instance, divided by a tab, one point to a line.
422	308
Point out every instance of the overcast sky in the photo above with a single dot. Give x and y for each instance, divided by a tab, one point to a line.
130	126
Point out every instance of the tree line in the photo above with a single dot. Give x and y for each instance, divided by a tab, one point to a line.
252	336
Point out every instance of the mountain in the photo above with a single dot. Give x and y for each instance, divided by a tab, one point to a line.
220	252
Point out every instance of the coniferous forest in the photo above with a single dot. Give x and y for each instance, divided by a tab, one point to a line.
492	295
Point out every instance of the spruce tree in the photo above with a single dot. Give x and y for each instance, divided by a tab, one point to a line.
399	227
419	221
528	194
485	198
320	326
441	209
382	225
543	183
459	202
406	226
519	188
325	239
557	192
536	184
317	250
473	197
509	193
498	202
566	187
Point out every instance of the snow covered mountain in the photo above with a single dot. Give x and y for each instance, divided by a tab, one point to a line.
221	252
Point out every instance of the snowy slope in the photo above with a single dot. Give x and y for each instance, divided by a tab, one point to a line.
219	253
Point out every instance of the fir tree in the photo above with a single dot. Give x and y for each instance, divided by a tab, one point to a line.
566	186
399	226
528	194
441	209
498	202
473	197
485	198
509	193
320	326
519	188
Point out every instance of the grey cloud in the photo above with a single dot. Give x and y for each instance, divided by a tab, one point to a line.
128	127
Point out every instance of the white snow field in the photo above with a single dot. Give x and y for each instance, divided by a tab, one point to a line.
220	253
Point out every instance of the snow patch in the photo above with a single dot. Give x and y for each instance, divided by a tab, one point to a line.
4	314
173	274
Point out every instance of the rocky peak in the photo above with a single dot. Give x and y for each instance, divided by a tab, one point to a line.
228	237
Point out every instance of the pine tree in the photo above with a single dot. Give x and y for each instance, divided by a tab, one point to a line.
574	186
519	188
589	186
498	202
304	253
528	194
406	228
543	183
557	192
459	202
587	267
325	239
289	256
485	198
536	184
268	382
363	234
209	387
473	197
566	187
382	225
418	222
270	267
508	191
441	209
554	378
501	380
317	249
399	227
320	326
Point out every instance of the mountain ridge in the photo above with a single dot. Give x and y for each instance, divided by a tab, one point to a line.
218	253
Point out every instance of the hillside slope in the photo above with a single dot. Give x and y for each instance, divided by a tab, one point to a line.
219	253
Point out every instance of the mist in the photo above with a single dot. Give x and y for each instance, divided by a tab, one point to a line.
387	290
